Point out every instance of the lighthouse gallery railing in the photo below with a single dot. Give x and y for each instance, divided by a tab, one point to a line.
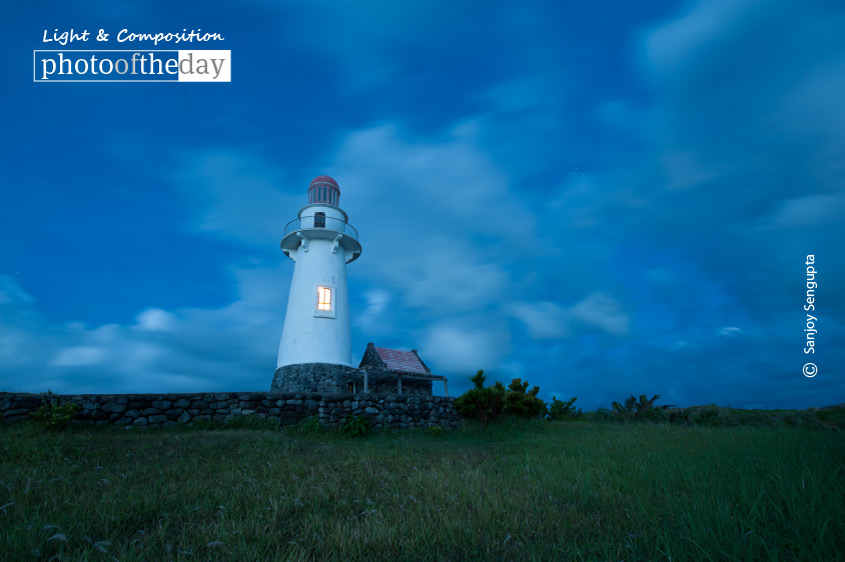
324	222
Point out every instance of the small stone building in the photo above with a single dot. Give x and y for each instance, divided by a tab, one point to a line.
391	371
382	371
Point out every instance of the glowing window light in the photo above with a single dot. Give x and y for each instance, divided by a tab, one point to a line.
324	298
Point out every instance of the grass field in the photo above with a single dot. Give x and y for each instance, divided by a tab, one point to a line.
523	491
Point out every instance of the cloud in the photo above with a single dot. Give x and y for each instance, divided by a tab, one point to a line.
236	195
547	320
463	348
544	320
78	356
372	320
809	211
12	294
230	348
435	218
155	319
748	97
602	311
674	45
364	39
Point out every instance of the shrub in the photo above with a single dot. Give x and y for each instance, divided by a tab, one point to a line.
309	426
436	430
600	415
625	412
681	415
52	415
832	417
560	410
521	402
640	409
494	402
357	426
707	416
485	404
654	414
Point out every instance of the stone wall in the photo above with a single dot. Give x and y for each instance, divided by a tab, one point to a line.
409	386
166	410
312	378
325	378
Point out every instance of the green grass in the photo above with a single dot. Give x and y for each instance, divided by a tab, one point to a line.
542	491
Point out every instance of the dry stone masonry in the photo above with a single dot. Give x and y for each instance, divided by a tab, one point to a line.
166	410
311	378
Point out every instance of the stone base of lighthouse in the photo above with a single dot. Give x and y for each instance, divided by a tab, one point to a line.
322	378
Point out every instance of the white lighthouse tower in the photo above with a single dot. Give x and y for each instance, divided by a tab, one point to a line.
316	347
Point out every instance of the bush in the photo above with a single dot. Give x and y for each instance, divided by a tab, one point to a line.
560	410
641	409
485	404
680	415
52	415
357	426
707	416
655	415
494	402
521	402
309	426
600	415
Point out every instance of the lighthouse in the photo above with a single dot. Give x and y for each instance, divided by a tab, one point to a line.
315	349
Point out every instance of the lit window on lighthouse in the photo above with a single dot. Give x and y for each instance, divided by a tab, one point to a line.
324	298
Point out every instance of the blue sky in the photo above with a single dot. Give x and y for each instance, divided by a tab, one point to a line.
603	199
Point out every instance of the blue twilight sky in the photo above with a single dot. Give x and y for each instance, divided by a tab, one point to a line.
603	198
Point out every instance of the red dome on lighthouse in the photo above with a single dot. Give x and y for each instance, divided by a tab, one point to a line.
324	179
324	189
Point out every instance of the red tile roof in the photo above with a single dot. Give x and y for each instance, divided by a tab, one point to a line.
404	361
